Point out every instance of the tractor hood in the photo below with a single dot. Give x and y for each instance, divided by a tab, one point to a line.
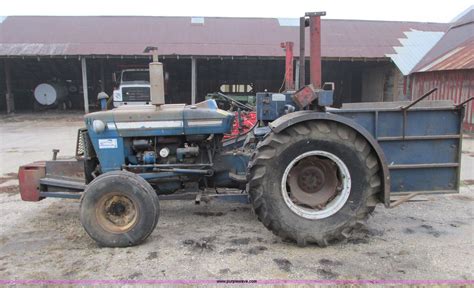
163	120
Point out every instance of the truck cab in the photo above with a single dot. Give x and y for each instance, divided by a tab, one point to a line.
133	87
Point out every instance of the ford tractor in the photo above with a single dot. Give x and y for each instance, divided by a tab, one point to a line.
312	173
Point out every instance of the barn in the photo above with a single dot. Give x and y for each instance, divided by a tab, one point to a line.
449	66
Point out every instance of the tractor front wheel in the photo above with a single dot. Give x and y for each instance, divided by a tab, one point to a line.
119	209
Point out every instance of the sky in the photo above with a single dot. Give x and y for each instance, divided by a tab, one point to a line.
397	10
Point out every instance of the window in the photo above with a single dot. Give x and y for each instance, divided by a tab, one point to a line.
236	88
129	76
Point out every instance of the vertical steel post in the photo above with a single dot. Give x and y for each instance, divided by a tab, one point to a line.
102	75
297	74
8	81
193	80
84	84
315	47
289	79
302	52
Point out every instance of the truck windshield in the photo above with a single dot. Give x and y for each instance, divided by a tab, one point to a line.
130	76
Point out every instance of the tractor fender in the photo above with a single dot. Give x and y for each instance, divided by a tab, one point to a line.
291	119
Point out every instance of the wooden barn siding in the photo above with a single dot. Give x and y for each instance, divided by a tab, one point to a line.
455	85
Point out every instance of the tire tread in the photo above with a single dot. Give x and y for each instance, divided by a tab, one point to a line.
257	173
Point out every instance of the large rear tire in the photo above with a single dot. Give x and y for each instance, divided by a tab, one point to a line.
119	209
313	182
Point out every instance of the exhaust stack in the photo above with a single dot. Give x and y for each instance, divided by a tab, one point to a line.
307	94
157	86
315	47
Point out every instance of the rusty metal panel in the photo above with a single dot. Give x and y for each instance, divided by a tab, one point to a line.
305	96
289	82
461	57
65	169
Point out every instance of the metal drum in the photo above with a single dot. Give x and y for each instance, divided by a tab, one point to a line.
48	94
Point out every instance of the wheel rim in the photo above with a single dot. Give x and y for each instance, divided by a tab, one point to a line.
116	213
316	184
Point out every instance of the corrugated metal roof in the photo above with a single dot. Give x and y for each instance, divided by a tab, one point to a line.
455	50
462	57
414	47
87	35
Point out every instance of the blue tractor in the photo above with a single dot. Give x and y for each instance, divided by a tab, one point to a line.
312	173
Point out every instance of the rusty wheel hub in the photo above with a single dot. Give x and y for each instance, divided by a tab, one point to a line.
313	182
116	213
316	184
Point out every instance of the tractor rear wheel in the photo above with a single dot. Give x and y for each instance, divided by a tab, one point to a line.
313	182
119	209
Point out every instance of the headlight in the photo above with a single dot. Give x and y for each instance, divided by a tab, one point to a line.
98	126
117	95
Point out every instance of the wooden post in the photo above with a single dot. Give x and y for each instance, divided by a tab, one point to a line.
9	95
193	80
84	84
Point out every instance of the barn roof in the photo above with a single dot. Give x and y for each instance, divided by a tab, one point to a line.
413	48
198	36
455	50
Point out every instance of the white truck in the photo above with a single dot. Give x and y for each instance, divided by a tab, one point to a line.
133	87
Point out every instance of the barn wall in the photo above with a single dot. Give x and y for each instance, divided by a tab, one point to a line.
382	83
456	85
346	79
394	90
372	84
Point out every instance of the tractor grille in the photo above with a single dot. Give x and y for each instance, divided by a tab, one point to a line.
84	147
136	94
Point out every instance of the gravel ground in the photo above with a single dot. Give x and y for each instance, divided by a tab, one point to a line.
428	239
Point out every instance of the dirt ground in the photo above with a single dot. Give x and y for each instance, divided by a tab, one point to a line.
428	239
